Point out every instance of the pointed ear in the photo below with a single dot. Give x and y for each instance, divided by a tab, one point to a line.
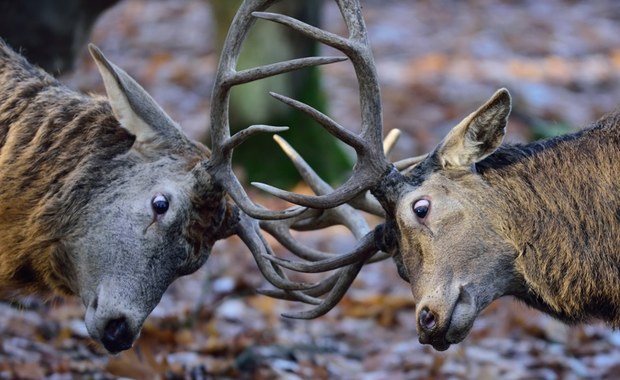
134	108
478	135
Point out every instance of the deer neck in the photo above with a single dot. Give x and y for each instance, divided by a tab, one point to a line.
560	203
50	140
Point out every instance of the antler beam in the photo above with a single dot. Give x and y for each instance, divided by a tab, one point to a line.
328	207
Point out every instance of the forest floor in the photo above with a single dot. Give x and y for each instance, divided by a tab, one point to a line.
438	61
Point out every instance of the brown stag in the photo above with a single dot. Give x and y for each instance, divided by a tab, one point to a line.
471	221
106	198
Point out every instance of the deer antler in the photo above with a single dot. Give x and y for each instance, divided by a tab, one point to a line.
371	162
227	77
223	144
349	264
328	207
341	206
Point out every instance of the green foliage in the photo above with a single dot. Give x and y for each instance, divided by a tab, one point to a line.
542	129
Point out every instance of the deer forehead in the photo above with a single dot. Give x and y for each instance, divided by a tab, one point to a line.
171	170
454	206
437	188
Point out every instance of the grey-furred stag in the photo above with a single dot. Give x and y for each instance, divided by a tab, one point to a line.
106	198
475	219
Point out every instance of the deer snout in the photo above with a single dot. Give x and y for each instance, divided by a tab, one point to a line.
446	318
432	325
117	335
427	320
114	325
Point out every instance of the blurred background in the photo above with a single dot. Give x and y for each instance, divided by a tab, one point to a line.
437	61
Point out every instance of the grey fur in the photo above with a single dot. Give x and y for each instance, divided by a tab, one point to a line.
78	175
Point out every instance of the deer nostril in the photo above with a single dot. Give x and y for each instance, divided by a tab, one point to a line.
117	336
427	318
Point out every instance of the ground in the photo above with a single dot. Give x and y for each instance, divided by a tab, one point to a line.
437	60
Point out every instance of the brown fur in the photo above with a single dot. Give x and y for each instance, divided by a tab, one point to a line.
539	221
560	208
54	146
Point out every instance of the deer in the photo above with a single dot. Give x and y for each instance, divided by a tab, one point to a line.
473	220
105	198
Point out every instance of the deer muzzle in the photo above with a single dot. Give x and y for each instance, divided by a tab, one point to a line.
114	315
442	322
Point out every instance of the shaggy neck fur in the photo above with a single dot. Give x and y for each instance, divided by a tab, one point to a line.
560	203
53	143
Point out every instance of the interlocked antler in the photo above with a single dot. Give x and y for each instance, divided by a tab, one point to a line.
223	143
350	263
329	207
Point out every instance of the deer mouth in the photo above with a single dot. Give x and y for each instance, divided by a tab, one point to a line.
438	344
441	331
442	339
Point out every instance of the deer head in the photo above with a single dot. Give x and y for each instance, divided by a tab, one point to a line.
450	249
156	219
435	227
159	216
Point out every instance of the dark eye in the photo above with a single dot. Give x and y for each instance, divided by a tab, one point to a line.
421	207
160	204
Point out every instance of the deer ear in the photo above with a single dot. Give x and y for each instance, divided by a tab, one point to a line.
478	135
134	108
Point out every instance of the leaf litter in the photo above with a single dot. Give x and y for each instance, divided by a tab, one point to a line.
437	61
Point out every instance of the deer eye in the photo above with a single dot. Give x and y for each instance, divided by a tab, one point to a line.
421	207
160	204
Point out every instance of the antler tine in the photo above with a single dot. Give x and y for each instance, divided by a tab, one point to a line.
371	161
226	77
248	230
306	172
324	287
390	140
335	286
312	220
330	263
257	73
345	278
407	163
